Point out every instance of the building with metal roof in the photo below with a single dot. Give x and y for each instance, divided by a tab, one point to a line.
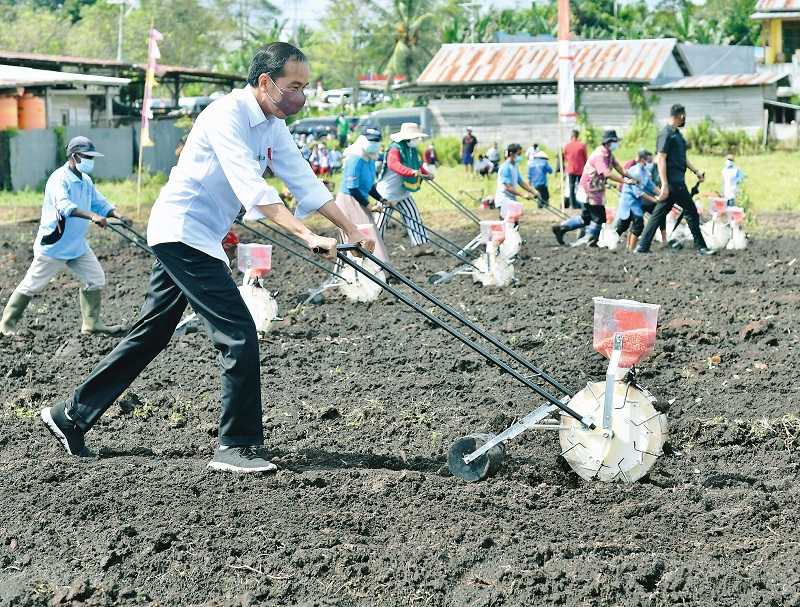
532	67
174	78
70	99
507	91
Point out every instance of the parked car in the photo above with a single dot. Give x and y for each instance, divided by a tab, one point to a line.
345	95
319	127
390	120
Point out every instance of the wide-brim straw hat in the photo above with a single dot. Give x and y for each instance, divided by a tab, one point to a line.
541	154
408	130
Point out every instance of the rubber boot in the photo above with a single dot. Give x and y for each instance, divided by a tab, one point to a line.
90	312
13	311
559	232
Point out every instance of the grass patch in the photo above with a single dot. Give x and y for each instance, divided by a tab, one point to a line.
772	184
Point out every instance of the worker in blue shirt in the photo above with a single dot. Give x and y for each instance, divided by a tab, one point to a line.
630	213
71	203
538	169
509	181
359	183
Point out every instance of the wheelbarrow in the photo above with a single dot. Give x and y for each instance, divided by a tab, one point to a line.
609	431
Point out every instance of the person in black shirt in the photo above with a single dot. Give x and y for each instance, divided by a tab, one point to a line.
467	151
672	165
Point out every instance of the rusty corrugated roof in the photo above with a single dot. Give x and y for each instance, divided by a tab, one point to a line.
58	61
721	81
594	61
777	5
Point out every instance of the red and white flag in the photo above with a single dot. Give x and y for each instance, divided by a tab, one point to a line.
153	54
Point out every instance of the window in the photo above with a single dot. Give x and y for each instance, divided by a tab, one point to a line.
791	39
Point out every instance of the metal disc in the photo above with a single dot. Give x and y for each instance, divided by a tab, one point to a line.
479	469
628	452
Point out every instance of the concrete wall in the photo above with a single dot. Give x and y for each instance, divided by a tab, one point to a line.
28	157
115	144
525	119
161	157
69	110
733	107
31	158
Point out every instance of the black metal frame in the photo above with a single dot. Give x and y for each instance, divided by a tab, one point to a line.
425	229
260	234
454	201
341	253
122	229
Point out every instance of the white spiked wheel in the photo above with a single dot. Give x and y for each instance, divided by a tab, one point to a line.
635	443
361	288
262	306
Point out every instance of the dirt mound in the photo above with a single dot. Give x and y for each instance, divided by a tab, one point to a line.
361	403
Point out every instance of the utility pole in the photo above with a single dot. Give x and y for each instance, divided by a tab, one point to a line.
472	8
122	12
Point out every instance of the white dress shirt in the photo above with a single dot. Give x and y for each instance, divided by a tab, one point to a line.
221	168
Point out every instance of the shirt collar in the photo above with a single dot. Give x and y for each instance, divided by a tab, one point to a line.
70	175
254	111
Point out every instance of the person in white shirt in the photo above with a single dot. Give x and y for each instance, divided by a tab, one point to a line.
493	154
732	177
531	152
232	143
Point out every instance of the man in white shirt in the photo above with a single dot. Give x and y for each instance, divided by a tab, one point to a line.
231	144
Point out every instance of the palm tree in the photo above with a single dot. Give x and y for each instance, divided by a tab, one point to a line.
410	41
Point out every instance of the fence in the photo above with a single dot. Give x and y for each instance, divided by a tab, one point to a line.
27	158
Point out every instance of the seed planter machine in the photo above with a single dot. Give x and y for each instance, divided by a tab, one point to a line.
608	431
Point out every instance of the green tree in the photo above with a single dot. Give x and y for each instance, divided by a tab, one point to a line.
408	27
343	49
31	29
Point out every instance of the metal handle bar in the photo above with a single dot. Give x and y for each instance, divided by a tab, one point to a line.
129	228
289	250
342	249
341	254
426	228
458	256
137	240
455	202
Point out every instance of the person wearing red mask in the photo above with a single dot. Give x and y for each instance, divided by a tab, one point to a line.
232	143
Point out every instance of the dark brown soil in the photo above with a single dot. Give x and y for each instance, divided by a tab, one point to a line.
360	406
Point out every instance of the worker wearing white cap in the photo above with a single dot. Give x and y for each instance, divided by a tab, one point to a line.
71	203
401	176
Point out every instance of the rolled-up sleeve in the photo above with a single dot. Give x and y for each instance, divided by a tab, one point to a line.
289	165
100	205
61	199
228	139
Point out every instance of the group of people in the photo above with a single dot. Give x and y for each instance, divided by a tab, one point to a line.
219	172
647	187
324	159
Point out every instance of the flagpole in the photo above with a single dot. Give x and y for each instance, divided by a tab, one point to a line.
139	180
141	125
566	90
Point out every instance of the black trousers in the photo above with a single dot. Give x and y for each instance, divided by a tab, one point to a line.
573	185
544	194
184	275
678	194
636	224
